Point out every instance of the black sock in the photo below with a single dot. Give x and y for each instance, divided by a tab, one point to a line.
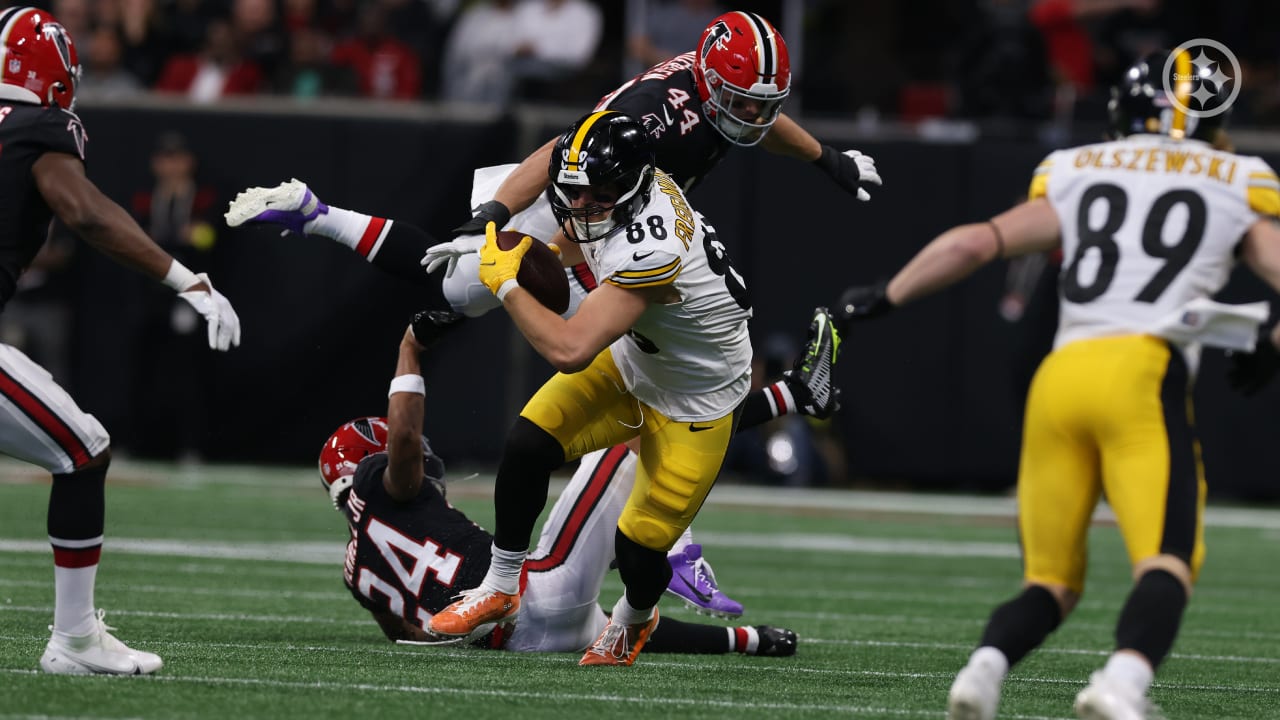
524	475
678	636
77	504
1020	625
400	254
644	572
1151	616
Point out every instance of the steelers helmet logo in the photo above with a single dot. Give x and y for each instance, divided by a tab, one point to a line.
1202	78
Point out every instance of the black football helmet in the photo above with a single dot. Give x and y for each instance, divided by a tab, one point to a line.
606	151
1140	105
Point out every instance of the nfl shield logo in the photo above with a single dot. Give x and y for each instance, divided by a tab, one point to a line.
14	65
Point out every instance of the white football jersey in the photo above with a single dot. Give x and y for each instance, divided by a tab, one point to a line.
1149	224
690	360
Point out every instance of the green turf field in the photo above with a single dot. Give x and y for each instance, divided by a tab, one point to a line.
233	575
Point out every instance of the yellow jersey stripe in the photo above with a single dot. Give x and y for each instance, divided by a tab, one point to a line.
576	147
652	272
1264	200
1181	92
638	284
1039	186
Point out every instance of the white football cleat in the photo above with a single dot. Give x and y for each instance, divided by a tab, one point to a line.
291	205
975	694
1104	699
98	653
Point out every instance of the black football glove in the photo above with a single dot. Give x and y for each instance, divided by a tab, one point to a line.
492	211
1250	372
850	169
429	326
861	302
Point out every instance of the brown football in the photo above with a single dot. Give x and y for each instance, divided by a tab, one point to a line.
540	272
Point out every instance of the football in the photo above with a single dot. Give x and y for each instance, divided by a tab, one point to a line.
540	272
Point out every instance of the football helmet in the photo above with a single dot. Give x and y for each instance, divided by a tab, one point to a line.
38	61
355	441
1140	105
608	157
743	73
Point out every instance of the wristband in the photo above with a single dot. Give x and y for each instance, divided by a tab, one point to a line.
407	384
506	287
179	277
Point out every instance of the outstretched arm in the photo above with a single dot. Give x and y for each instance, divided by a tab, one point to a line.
786	137
850	169
106	226
527	181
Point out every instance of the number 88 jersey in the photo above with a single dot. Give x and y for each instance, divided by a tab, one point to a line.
1148	224
690	359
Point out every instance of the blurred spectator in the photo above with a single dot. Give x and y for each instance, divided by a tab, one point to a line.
188	22
670	27
387	67
299	14
1002	70
217	70
308	73
1064	25
146	44
104	76
180	215
74	15
423	25
475	67
554	40
255	27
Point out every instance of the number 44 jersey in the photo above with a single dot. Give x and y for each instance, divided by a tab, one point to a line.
1149	224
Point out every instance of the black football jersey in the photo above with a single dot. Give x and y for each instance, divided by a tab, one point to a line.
28	131
665	99
408	556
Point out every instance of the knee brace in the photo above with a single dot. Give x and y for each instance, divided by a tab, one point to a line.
77	503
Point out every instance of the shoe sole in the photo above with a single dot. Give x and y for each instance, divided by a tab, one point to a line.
79	668
701	610
252	203
964	709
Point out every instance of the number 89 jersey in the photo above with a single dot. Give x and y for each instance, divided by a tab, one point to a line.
690	359
1148	224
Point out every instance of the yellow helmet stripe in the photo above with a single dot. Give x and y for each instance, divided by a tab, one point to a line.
575	148
1181	91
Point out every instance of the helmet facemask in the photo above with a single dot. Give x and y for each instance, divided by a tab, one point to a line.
632	194
743	116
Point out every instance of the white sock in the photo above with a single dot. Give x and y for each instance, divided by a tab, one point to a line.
346	226
73	599
991	658
504	570
744	639
682	542
1129	669
624	614
781	401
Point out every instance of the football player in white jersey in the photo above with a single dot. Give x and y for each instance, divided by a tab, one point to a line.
659	351
1150	225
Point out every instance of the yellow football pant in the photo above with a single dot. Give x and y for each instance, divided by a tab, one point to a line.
1109	416
679	461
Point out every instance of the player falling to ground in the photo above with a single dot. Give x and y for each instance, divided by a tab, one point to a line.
1150	225
727	92
659	351
411	551
395	247
42	149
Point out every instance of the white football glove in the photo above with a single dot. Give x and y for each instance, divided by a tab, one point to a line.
850	170
224	324
447	253
866	171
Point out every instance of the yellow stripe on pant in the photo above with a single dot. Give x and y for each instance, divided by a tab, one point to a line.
1109	416
679	461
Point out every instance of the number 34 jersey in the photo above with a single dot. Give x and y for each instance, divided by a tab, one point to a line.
689	359
1148	225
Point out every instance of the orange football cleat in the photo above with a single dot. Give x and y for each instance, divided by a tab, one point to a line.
619	644
474	608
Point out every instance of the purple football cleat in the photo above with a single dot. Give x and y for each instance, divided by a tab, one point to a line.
290	205
693	581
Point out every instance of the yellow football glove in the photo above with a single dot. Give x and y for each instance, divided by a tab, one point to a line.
498	267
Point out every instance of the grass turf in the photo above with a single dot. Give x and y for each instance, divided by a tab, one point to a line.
233	576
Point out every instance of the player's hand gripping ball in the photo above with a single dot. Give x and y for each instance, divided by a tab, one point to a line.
537	268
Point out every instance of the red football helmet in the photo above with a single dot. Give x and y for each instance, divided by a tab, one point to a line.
38	61
743	74
355	441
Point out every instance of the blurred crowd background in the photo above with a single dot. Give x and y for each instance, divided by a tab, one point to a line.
869	59
189	101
